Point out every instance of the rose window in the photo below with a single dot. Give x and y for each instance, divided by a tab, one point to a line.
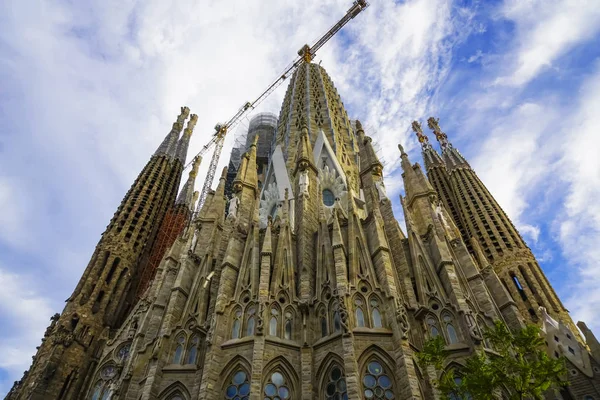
239	388
276	388
336	388
377	384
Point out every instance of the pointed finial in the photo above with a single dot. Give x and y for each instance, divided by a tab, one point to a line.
195	166
401	148
424	140
185	111
433	124
255	141
359	126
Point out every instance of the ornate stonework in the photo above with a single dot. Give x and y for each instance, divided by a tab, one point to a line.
304	287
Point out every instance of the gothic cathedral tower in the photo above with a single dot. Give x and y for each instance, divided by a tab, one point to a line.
302	285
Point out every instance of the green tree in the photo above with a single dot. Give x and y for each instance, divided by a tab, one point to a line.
520	365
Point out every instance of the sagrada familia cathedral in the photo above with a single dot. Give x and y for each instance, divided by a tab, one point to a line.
302	284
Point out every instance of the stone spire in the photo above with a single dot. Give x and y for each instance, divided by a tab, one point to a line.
182	146
186	196
439	177
590	340
371	160
304	158
246	174
167	147
452	156
415	182
430	156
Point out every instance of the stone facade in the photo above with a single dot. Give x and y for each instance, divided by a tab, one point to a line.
305	287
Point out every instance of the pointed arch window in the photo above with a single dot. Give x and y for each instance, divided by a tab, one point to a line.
377	383
450	330
454	396
287	334
250	324
335	384
238	387
375	313
193	351
359	313
273	321
235	327
178	355
432	326
337	325
276	388
322	316
481	327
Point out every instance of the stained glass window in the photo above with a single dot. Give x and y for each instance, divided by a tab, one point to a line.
123	353
360	315
273	322
375	314
376	383
337	326
336	385
433	328
251	321
328	197
454	396
276	388
239	387
323	326
288	325
450	330
235	328
192	351
178	356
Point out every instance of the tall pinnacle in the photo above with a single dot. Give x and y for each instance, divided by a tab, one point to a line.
170	141
451	155
424	140
187	192
433	124
182	145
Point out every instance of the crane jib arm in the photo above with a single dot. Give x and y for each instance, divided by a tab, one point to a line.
306	54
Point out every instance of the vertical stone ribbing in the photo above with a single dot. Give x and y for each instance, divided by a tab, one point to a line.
101	298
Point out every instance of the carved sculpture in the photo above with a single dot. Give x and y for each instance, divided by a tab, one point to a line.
233	207
402	319
304	182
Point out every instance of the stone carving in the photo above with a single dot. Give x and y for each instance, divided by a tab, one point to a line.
268	203
440	214
233	207
433	124
343	312
53	321
402	318
260	322
63	336
211	330
195	258
416	127
304	182
473	328
381	190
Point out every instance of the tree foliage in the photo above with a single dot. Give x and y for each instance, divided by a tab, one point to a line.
518	363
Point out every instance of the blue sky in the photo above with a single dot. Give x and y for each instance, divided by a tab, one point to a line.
89	89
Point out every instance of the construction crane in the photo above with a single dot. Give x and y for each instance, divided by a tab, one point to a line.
306	55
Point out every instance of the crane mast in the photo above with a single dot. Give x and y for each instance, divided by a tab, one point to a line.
306	54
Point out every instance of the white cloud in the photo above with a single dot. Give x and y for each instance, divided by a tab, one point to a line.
25	315
96	86
579	225
545	31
